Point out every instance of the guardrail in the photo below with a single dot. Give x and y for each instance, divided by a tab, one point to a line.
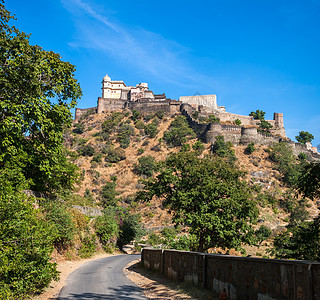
233	278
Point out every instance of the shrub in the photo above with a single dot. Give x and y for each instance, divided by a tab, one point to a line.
302	156
108	194
198	147
107	229
115	155
160	114
139	124
250	148
237	122
263	233
57	214
130	229
88	246
86	150
146	165
223	149
148	117
213	119
97	158
185	148
140	151
26	244
78	128
135	115
125	131
152	129
195	114
179	132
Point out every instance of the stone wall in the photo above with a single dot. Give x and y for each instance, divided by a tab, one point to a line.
80	112
232	278
203	100
231	133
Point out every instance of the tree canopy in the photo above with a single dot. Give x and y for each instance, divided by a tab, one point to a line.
258	114
37	90
304	137
208	196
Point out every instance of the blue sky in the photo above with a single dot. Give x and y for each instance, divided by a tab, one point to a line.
252	54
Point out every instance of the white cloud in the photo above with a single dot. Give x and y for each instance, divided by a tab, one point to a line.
140	48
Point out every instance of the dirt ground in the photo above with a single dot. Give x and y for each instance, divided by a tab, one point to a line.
158	287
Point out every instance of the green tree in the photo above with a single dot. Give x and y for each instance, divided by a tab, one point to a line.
26	244
178	132
309	180
37	91
304	137
108	194
208	196
258	114
223	149
146	165
265	126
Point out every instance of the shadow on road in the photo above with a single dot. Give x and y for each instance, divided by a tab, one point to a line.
120	292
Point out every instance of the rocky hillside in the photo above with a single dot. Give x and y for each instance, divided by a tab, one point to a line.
119	148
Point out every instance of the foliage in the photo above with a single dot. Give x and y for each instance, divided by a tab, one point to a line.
223	149
152	129
213	119
265	126
124	131
78	128
304	137
140	125
146	165
130	229
258	114
185	147
110	125
108	194
107	229
88	246
37	92
86	150
195	114
140	151
299	242
60	218
302	156
25	247
309	180
198	147
135	115
282	154
250	148
208	196
179	132
114	155
263	233
237	122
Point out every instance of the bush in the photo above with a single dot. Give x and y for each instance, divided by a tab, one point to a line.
115	155
86	150
139	124
124	131
78	128
223	149
107	229
179	132
146	166
213	119
108	194
198	147
152	129
263	233
57	214
97	158
135	115
302	156
185	148
237	122
26	244
250	149
130	229
88	246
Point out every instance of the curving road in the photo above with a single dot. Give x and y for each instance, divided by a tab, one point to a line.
102	279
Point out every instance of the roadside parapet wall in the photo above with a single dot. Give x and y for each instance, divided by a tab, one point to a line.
232	278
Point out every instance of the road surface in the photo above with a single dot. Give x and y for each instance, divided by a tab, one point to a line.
102	279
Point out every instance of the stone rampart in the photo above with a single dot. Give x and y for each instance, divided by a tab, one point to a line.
234	278
80	112
298	148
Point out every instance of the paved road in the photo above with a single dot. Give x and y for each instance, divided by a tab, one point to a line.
102	279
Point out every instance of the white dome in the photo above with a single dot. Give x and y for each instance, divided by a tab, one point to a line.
106	78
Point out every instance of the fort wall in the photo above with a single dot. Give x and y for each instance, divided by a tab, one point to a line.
79	112
231	277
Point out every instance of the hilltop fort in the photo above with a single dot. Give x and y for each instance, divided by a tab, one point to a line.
202	112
